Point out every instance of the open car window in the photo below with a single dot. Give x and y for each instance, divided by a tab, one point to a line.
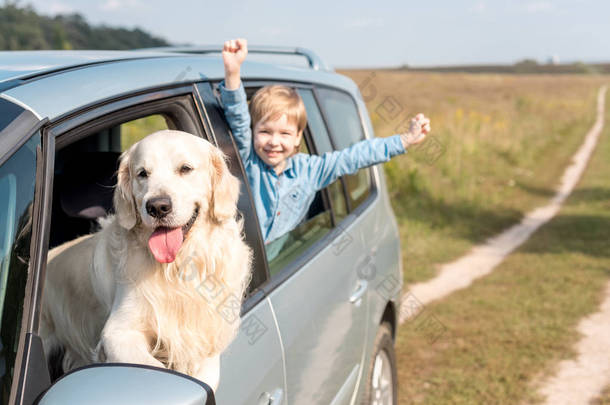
85	175
86	159
327	203
317	223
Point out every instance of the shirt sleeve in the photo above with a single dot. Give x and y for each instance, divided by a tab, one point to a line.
235	107
323	170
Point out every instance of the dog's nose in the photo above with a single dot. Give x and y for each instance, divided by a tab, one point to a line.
159	207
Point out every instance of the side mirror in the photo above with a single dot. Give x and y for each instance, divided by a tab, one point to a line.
132	384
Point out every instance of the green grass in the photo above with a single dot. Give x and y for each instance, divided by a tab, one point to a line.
509	330
133	131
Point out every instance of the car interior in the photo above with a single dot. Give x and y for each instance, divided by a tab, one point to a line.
85	176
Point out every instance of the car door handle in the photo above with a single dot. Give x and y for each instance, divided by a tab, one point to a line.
360	290
271	399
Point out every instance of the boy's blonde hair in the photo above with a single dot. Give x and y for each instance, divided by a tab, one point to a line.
270	102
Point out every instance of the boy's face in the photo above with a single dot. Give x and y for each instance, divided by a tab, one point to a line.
275	141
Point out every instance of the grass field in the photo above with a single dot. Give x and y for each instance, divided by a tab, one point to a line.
498	146
511	328
506	141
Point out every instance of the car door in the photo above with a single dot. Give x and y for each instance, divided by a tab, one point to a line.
252	367
253	361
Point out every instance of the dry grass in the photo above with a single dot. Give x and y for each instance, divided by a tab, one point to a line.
505	140
510	329
508	140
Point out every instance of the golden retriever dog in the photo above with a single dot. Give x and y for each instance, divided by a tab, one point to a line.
162	283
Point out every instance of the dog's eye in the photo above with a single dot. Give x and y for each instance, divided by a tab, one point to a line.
142	174
185	169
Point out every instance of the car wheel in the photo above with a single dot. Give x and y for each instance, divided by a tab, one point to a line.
381	382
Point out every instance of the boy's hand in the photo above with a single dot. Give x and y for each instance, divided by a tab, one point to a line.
418	129
233	55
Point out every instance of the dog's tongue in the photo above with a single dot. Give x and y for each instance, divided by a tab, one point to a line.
164	244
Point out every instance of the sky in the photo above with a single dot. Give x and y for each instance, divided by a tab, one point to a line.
367	33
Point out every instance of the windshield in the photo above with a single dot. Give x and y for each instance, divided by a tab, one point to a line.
17	181
8	198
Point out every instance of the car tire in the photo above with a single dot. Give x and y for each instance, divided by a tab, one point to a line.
381	379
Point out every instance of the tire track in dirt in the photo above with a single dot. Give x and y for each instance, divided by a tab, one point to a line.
580	380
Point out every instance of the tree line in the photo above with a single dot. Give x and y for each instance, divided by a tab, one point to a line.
21	28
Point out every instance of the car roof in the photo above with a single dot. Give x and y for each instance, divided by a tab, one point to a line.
24	64
54	83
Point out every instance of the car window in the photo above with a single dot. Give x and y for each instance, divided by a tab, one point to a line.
345	127
17	181
81	197
87	159
319	134
317	223
285	249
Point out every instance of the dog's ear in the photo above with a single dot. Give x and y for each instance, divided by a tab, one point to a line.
225	189
123	199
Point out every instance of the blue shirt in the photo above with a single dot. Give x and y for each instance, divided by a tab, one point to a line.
282	201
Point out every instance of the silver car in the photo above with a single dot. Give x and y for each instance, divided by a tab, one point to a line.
319	320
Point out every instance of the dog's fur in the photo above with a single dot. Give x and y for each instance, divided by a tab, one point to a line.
106	298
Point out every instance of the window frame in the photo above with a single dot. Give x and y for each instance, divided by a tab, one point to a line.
11	138
285	273
79	124
31	376
219	128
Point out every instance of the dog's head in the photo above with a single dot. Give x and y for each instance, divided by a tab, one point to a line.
167	183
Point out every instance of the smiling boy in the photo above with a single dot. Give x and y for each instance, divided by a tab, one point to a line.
283	181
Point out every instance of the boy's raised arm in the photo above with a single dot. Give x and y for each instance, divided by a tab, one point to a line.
233	96
233	55
325	169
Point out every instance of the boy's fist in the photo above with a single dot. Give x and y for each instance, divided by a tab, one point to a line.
419	126
233	54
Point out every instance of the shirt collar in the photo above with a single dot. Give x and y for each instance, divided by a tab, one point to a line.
289	169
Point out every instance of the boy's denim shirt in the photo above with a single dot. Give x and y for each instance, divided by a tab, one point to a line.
282	201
